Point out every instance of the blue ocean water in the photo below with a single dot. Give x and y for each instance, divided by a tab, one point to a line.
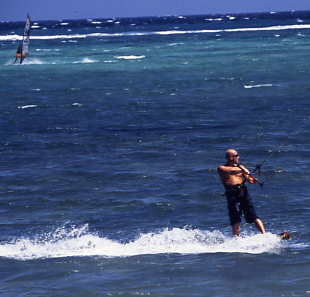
111	132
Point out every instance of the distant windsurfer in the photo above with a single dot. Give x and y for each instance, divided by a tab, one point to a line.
19	53
22	49
234	176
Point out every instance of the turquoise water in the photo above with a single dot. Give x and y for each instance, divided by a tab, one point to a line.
111	132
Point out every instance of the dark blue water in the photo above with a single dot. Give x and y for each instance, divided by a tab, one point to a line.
111	132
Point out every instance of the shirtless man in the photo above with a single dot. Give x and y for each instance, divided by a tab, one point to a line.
234	176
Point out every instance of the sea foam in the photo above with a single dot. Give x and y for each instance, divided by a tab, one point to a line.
64	242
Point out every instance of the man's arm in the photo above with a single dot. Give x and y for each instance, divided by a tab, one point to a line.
248	176
230	174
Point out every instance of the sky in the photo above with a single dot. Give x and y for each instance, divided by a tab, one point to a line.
16	10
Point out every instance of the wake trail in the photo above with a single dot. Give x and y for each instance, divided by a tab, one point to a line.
79	242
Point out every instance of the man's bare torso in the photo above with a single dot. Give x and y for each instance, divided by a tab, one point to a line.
230	175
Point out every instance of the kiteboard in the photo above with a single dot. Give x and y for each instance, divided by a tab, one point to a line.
285	236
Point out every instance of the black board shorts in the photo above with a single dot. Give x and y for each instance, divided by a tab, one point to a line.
239	202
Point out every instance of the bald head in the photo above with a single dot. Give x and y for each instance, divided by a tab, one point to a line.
232	156
230	153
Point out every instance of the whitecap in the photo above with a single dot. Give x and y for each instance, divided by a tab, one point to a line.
27	106
175	43
257	86
169	32
10	37
47	49
77	104
85	60
129	57
215	19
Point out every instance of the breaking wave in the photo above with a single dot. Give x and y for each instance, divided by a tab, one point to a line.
169	32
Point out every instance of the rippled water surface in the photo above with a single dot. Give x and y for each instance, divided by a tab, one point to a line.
111	132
